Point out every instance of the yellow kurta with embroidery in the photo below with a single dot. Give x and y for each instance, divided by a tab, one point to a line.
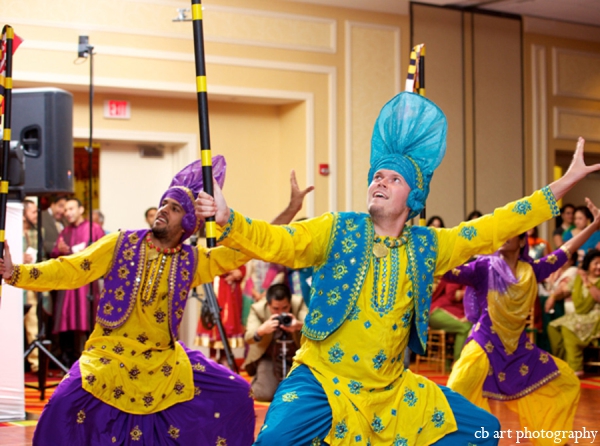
360	364
137	367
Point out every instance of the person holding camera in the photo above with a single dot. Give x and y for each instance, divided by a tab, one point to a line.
273	334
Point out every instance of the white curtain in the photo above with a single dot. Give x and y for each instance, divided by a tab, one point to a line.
12	375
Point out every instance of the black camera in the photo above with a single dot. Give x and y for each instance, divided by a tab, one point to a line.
285	319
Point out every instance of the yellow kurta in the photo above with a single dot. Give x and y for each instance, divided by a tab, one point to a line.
137	367
360	364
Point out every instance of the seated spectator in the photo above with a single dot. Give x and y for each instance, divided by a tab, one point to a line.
572	333
448	313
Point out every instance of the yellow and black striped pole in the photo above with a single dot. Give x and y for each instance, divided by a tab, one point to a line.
415	82
211	312
6	81
211	229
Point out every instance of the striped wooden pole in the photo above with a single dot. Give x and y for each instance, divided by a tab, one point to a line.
211	312
206	157
415	82
7	40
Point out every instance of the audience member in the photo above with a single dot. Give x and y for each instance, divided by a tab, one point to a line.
474	214
98	218
436	222
538	247
274	321
150	215
72	315
572	333
564	222
52	223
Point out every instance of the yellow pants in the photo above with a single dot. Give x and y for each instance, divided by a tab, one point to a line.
550	407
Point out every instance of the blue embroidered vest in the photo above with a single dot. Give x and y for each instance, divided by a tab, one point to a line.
123	280
338	282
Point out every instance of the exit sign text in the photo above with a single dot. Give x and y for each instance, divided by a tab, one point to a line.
117	109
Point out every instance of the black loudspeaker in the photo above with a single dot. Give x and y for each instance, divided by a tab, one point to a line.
42	125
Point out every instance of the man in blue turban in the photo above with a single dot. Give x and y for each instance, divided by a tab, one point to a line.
371	292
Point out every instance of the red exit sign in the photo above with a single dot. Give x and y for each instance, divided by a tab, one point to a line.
117	109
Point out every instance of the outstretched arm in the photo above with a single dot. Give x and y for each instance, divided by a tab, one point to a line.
295	204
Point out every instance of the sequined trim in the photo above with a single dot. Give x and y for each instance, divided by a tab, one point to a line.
522	393
228	225
134	291
551	200
566	251
15	276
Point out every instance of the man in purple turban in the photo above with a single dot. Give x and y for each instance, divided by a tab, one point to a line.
135	383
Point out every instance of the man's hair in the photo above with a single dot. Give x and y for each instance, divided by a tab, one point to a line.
57	198
279	291
79	203
27	202
153	208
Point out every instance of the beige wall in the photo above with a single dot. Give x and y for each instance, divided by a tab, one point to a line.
290	86
562	101
473	72
295	85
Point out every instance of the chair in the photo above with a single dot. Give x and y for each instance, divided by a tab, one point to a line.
436	351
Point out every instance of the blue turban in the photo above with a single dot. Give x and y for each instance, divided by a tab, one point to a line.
186	186
409	138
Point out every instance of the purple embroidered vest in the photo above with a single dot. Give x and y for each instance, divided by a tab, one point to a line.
122	283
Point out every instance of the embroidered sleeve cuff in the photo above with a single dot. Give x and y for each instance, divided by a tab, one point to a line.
15	276
551	200
227	228
566	251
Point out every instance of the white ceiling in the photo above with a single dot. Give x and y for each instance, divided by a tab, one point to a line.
575	11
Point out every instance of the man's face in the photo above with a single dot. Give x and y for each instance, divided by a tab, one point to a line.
30	213
280	306
168	220
58	209
73	212
387	194
151	216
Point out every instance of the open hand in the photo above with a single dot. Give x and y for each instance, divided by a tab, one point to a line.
594	210
578	169
297	195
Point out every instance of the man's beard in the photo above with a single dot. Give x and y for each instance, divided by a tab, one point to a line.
382	214
160	233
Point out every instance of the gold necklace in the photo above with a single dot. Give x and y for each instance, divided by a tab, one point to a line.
382	246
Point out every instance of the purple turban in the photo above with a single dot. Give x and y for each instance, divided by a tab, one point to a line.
186	186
